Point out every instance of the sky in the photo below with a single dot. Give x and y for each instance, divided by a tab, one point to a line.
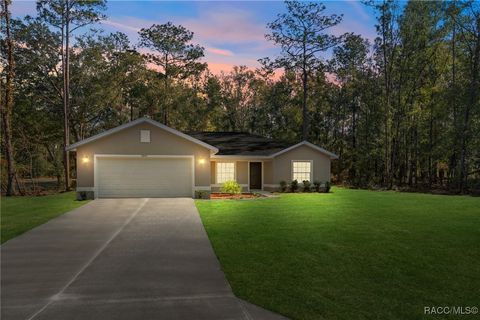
232	32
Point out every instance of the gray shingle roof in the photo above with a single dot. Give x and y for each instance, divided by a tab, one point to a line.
240	143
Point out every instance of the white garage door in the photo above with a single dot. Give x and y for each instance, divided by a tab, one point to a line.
144	177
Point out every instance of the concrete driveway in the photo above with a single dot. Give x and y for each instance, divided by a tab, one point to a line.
119	259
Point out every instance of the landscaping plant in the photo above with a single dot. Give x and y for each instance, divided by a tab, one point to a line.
306	186
316	186
294	186
283	186
327	186
231	187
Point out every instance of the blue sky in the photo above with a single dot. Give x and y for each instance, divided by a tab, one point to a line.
232	32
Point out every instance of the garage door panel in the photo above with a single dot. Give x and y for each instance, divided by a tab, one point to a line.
144	177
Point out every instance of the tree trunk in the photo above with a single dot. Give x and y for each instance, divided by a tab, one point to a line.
165	84
453	157
8	107
430	150
354	141
304	105
66	96
386	75
473	99
305	92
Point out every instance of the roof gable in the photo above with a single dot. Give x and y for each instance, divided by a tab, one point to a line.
136	122
308	144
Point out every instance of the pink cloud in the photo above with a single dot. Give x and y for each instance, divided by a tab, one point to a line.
330	77
227	25
221	52
217	67
212	30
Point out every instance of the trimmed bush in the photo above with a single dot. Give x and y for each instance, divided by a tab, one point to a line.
327	186
231	187
294	185
306	186
202	194
316	186
283	186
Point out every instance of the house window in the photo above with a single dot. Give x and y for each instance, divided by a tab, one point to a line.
225	171
302	170
144	135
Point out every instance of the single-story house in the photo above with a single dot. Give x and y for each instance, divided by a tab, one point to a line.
144	158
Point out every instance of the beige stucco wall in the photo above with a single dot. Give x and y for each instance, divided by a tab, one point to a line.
282	165
268	172
279	168
127	142
242	172
212	172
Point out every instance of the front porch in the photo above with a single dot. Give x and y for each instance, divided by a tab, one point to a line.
250	174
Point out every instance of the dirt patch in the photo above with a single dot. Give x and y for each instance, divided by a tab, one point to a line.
246	195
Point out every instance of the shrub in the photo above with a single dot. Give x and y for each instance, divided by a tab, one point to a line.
306	186
202	194
283	186
327	186
294	185
81	195
231	187
316	185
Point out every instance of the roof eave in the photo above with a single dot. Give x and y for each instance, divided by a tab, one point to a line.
240	156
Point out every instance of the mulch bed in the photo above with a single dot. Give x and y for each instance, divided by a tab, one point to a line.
246	195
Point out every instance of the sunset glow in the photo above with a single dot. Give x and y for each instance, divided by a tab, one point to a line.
232	33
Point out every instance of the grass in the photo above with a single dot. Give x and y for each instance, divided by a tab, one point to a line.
350	254
20	214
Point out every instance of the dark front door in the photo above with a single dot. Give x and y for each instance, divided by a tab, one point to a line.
255	175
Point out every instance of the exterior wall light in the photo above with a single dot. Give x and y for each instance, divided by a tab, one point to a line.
85	159
201	161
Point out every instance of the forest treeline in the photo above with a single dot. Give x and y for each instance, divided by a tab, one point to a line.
402	111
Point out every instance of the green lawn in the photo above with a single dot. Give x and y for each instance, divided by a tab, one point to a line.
20	214
350	254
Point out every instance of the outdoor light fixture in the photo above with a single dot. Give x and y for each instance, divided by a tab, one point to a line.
85	159
201	161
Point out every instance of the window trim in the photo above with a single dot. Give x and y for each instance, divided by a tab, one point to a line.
311	170
234	170
148	137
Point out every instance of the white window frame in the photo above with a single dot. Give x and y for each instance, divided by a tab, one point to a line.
311	169
217	165
145	136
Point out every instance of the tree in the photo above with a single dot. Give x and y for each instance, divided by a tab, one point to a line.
105	70
301	35
351	66
404	113
174	55
469	24
386	54
6	98
37	116
69	16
